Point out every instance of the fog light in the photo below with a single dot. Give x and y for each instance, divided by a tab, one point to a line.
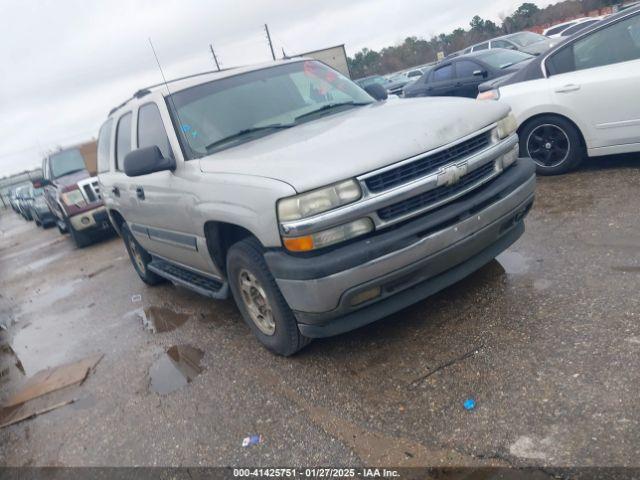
365	296
510	157
85	220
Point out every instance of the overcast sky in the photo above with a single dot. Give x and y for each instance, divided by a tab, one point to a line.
67	62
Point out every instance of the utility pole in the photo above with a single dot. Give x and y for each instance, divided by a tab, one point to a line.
266	29
215	59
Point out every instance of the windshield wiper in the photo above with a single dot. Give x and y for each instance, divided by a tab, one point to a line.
72	171
247	131
331	106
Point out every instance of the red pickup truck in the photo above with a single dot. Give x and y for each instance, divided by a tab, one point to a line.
73	195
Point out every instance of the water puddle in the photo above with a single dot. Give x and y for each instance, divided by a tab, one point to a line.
513	263
161	319
175	369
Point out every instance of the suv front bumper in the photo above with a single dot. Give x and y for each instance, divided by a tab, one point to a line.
408	263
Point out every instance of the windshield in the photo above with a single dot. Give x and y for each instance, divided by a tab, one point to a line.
251	105
504	58
365	82
524	39
66	162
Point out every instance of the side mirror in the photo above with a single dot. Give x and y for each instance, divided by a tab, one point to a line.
377	91
479	73
146	160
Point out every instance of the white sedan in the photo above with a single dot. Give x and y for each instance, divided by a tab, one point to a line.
582	98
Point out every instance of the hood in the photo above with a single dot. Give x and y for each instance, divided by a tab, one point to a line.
539	47
72	178
357	141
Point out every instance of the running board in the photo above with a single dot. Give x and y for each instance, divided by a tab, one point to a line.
207	286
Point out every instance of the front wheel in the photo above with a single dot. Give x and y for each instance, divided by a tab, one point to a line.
553	143
259	300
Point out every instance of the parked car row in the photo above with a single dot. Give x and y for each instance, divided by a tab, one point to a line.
576	100
277	184
66	196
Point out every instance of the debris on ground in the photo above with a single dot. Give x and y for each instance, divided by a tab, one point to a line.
469	404
19	413
251	440
52	379
136	298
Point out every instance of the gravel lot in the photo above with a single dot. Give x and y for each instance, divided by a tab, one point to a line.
546	339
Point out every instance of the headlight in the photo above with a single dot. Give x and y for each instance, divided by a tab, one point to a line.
318	201
489	95
507	126
328	237
73	197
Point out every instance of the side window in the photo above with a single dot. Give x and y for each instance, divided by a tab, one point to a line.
151	130
104	146
123	140
617	43
556	30
465	68
501	44
443	73
482	46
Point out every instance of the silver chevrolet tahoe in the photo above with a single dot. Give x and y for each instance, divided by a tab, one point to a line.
321	207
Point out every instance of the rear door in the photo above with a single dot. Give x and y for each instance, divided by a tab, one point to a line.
441	81
469	75
164	200
597	79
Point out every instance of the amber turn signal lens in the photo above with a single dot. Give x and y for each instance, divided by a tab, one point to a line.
299	244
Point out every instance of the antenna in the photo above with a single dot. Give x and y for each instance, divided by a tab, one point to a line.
166	86
215	58
266	29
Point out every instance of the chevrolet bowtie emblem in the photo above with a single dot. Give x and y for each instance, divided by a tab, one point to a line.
451	174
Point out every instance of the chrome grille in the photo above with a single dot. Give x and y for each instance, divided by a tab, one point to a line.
437	194
427	164
91	190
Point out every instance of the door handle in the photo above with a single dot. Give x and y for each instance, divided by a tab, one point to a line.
459	84
140	193
568	88
116	191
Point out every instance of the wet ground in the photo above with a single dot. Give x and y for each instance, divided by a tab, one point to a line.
546	340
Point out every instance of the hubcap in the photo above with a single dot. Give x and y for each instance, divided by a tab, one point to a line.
257	302
548	145
137	256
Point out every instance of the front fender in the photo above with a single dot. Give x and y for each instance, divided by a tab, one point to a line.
243	200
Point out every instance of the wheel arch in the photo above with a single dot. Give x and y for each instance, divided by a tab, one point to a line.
220	236
117	220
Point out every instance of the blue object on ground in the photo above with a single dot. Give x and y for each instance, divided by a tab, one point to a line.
469	404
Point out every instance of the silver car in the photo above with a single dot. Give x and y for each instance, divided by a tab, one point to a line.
317	206
527	42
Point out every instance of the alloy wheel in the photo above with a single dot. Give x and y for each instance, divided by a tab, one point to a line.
548	145
257	302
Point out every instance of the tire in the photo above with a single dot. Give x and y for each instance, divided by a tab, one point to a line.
81	239
139	257
554	144
61	229
255	290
